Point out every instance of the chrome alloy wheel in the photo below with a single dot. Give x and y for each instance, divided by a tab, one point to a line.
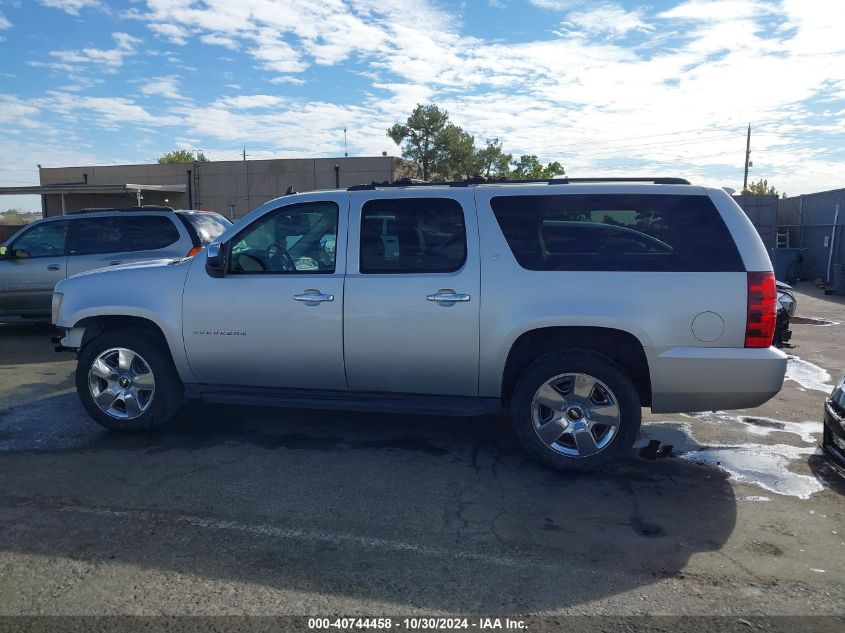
121	383
575	415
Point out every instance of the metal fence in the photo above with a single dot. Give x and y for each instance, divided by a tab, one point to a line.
8	230
815	225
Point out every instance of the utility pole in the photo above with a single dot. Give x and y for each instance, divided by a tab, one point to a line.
345	150
244	152
747	157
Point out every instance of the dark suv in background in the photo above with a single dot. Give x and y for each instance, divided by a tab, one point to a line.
43	253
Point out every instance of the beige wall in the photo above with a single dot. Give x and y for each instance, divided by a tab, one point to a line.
228	187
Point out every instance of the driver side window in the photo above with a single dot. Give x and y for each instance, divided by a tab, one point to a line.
300	238
44	240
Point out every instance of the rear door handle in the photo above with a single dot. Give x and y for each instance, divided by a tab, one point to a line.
54	267
448	296
313	297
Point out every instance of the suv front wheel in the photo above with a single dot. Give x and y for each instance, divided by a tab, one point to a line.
576	410
127	381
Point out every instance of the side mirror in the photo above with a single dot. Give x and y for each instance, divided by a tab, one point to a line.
215	260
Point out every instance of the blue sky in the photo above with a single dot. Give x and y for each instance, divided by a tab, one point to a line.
606	88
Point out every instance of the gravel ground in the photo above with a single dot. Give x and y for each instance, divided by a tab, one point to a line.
251	511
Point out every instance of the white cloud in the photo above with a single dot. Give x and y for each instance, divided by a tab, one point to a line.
250	102
71	6
172	32
608	19
220	40
554	5
108	60
168	87
720	10
4	23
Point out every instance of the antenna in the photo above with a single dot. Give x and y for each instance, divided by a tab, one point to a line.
345	149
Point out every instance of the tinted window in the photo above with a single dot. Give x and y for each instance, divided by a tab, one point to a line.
300	238
412	235
207	227
148	232
91	236
616	232
43	240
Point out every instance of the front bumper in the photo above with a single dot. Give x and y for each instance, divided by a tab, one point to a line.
834	433
685	379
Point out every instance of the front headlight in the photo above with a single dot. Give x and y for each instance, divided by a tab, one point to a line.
57	305
787	302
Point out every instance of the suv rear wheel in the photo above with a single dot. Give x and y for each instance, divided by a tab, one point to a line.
576	410
127	382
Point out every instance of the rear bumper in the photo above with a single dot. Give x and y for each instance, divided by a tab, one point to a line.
685	379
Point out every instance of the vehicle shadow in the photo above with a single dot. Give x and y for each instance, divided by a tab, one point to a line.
26	343
437	514
828	472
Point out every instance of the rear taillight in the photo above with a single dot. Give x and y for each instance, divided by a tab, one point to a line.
760	324
194	251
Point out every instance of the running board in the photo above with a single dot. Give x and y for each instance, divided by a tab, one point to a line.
457	406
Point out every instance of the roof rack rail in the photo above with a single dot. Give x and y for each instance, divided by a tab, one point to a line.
480	180
147	207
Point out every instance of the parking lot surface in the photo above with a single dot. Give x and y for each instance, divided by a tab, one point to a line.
243	510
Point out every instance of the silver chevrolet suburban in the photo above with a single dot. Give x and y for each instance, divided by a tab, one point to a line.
569	304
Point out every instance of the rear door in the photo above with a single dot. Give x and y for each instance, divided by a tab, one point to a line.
27	280
412	299
97	242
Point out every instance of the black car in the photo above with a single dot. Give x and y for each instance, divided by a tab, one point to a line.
834	422
785	311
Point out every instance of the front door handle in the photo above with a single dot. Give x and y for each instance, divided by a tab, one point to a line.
313	297
447	296
115	262
54	267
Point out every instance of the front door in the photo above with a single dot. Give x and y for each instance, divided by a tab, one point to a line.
38	263
275	318
411	311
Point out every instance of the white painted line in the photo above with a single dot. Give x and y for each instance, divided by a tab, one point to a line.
313	536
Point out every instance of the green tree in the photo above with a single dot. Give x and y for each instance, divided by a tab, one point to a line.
12	216
419	138
760	188
492	160
457	157
528	167
181	156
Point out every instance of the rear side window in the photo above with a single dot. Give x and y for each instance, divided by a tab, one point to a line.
94	236
412	235
149	232
204	227
617	232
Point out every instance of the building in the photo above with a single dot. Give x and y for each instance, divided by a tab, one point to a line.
232	188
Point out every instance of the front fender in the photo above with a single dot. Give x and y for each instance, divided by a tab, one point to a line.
152	293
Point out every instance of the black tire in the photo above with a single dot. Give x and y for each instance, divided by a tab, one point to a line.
168	394
576	362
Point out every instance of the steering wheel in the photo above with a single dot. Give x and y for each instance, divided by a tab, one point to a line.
261	265
46	246
276	254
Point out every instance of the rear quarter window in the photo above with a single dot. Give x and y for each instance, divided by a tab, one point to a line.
149	233
611	232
